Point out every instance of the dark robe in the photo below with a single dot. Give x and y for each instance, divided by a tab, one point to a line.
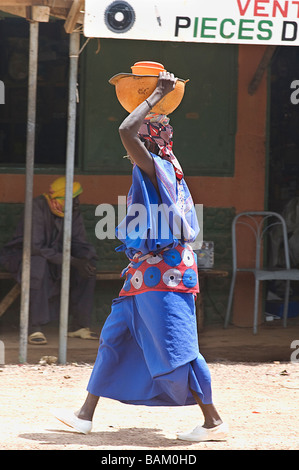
46	262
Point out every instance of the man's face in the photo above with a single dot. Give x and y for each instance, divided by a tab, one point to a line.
76	204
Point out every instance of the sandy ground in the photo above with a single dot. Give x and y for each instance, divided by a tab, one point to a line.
260	401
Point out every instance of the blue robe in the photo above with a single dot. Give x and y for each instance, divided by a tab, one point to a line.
148	352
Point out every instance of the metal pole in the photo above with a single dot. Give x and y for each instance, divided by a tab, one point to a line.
67	234
30	147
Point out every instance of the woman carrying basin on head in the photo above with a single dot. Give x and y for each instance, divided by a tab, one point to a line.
148	352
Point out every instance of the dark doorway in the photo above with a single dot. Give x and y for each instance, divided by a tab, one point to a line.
284	130
283	193
52	93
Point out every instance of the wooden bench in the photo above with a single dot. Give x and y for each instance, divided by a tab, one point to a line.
203	274
15	291
11	296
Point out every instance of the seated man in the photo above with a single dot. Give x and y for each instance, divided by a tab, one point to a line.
46	263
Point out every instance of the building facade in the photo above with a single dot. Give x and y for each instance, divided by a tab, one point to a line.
222	137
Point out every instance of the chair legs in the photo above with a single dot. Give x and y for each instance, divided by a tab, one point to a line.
286	303
230	300
256	305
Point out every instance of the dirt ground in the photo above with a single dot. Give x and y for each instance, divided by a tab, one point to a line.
255	387
259	401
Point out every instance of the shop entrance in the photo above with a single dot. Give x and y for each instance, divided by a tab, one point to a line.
284	129
52	93
283	184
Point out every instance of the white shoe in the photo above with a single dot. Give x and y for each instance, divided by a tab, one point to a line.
70	419
218	433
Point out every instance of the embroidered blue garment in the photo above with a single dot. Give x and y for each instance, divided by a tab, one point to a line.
148	353
167	219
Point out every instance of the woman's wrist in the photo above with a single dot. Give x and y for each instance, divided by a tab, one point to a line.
149	104
132	122
154	98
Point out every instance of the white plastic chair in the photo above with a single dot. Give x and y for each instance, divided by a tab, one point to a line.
260	223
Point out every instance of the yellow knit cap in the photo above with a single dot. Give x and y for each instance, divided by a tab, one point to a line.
57	188
56	195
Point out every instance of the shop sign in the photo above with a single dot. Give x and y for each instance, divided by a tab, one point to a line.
269	22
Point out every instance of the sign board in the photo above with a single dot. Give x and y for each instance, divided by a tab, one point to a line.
268	22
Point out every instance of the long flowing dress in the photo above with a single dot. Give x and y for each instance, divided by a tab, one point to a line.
148	352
